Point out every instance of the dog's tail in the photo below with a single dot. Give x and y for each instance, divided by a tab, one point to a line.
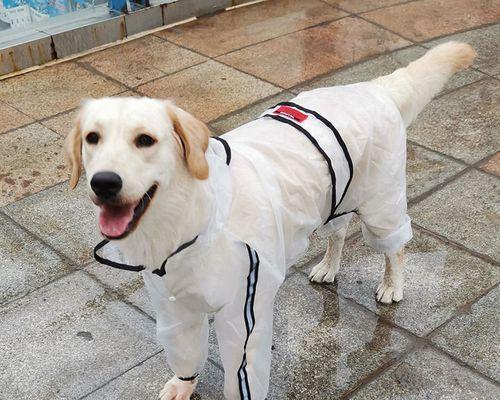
415	86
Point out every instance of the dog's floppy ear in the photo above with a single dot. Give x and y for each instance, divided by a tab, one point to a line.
73	149
194	136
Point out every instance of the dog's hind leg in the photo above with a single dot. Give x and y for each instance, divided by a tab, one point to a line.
391	287
328	267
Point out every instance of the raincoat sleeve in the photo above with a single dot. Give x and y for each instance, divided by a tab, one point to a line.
182	332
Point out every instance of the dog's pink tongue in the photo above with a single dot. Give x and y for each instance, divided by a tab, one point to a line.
114	220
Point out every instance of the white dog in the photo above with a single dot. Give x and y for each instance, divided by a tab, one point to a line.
216	223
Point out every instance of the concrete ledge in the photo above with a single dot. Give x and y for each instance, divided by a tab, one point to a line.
144	20
32	48
63	36
76	40
184	9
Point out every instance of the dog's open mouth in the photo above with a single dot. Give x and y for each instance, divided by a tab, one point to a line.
117	221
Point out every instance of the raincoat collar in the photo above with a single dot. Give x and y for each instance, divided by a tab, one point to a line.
137	268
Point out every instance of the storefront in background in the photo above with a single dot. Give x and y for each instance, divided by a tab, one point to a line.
22	13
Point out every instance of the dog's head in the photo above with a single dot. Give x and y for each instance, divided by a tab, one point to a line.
128	148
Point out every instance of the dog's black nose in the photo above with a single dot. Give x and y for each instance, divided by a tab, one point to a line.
106	185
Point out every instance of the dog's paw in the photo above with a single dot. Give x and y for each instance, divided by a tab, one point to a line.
176	389
322	272
387	293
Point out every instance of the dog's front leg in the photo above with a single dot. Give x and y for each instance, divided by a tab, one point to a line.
178	389
184	336
391	287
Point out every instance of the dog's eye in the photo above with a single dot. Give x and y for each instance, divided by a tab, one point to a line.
92	138
144	141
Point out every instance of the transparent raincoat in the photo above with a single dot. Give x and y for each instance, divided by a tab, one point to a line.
277	189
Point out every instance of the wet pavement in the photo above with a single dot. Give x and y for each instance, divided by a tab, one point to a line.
72	329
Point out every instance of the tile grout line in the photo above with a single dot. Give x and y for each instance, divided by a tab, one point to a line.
214	57
117	376
166	75
71	271
16	299
319	77
450	179
464	309
425	45
45	119
377	8
457	160
215	364
209	360
360	16
378	372
330	71
444	155
65	258
482	171
33	194
227	65
426	340
473	28
319	24
247	107
416	342
19	111
458	245
451	91
465	365
115	295
95	71
291	89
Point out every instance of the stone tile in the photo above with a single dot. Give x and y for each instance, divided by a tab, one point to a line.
426	19
492	165
427	374
330	333
426	169
228	31
31	161
209	90
294	58
61	123
470	336
486	43
124	62
10	118
27	264
225	124
383	65
438	280
126	285
69	338
49	91
147	379
465	211
61	217
463	124
358	6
